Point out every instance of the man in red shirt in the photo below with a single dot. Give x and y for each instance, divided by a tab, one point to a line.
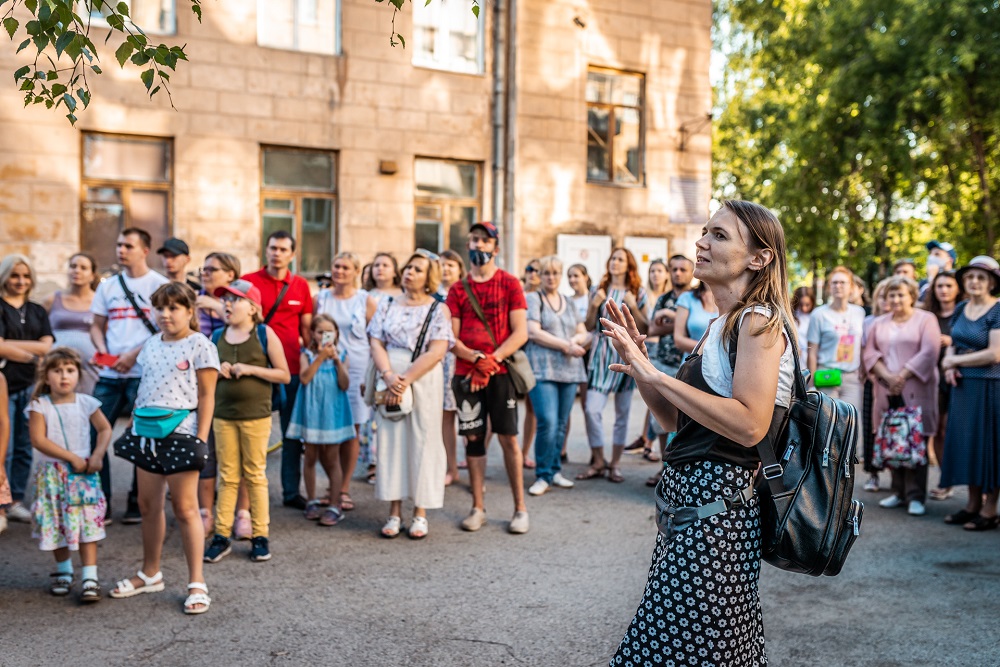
482	385
288	308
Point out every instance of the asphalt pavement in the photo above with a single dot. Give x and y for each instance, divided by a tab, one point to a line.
914	591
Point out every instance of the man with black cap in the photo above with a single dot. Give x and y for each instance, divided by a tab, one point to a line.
176	255
482	385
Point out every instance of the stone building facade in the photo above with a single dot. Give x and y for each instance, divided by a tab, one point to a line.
298	114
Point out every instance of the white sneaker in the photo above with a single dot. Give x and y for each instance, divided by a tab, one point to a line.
872	483
518	524
891	502
916	508
3	524
475	520
561	482
538	488
18	512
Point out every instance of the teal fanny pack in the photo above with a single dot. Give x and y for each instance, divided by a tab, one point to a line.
152	422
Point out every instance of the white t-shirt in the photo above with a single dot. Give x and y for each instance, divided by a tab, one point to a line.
125	330
838	336
73	432
718	373
169	375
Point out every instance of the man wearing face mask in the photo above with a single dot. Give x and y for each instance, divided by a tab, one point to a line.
941	256
483	388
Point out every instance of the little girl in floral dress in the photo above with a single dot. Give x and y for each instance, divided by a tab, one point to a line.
69	504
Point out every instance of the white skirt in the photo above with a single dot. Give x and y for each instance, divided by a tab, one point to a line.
411	457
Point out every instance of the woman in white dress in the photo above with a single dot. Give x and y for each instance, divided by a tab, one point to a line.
351	308
412	461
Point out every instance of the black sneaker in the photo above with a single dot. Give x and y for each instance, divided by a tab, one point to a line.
132	514
298	503
258	550
218	549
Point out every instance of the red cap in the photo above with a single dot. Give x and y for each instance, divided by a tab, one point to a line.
243	289
488	227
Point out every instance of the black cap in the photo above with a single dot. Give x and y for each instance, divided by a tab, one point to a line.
174	246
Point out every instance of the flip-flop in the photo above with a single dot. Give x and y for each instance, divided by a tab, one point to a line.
346	503
615	475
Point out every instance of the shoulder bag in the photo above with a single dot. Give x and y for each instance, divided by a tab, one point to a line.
135	305
517	364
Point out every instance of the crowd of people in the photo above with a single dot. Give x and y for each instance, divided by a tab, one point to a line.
385	367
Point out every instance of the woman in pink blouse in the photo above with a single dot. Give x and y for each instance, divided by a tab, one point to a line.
902	354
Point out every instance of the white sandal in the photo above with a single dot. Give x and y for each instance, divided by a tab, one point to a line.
126	589
392	527
197	598
419	528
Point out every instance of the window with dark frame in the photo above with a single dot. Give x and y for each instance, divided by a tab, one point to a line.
615	127
126	182
447	202
299	195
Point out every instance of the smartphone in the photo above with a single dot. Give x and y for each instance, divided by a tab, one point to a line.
327	338
104	359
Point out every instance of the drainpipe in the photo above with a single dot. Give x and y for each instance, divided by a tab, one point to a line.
510	99
496	179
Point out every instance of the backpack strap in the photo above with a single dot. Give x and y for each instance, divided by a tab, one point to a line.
262	339
771	470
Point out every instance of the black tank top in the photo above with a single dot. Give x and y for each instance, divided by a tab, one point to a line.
695	442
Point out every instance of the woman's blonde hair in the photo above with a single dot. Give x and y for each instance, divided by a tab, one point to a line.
769	286
353	259
877	294
551	261
55	358
7	266
433	272
227	262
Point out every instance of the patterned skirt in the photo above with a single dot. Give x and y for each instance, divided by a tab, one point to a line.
57	523
701	605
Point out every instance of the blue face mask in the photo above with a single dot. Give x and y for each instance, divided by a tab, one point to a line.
480	257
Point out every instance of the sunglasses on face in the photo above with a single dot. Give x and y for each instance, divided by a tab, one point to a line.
426	254
530	269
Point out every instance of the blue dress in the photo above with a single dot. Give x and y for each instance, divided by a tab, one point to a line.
322	412
972	438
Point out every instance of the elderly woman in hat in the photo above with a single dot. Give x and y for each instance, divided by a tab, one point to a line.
972	367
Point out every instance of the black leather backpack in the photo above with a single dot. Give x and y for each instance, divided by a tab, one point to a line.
809	520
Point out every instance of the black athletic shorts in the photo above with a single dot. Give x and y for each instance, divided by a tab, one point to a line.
498	401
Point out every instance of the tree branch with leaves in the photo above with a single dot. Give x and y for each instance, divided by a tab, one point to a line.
65	54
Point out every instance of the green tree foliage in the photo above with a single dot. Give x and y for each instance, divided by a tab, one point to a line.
64	54
870	125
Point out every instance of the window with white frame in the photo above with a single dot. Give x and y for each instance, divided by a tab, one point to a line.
448	36
312	26
153	16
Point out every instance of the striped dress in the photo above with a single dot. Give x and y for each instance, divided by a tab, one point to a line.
599	378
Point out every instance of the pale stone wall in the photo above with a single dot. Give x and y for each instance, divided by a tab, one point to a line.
369	104
670	43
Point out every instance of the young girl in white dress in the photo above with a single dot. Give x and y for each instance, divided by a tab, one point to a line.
69	504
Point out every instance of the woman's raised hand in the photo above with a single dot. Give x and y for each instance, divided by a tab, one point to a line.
622	316
629	345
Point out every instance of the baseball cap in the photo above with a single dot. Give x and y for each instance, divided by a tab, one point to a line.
243	289
947	247
488	227
174	246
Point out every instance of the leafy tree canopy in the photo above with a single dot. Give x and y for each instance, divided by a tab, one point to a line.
871	126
